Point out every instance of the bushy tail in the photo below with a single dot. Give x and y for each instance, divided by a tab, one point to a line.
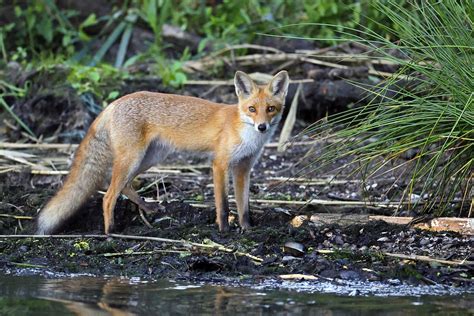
88	172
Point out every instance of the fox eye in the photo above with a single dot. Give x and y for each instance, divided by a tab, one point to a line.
271	109
252	109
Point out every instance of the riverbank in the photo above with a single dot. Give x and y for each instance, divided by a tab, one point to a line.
290	238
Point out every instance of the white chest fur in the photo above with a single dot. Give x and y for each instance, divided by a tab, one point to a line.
251	143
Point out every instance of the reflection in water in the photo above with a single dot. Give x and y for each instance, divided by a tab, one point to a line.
111	296
32	295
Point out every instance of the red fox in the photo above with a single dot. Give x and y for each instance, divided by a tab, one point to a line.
137	131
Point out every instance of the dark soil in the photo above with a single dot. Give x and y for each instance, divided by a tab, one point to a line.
356	250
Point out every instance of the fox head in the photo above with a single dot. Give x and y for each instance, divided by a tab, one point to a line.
261	106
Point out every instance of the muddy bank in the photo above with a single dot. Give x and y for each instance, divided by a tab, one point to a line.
181	191
332	254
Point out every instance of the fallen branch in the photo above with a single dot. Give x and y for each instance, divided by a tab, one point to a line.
142	253
390	205
312	181
38	146
28	265
463	226
65	172
298	276
16	216
350	58
332	203
231	82
244	46
258	59
289	122
211	245
55	236
429	259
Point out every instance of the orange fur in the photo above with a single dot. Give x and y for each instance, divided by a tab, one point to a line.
136	131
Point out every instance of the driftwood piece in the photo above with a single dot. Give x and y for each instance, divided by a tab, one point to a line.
297	276
464	226
429	259
289	122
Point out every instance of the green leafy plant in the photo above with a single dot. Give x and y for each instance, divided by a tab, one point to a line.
327	20
8	90
171	71
40	26
433	120
101	80
155	13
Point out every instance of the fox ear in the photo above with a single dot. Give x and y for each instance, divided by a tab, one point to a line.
244	85
278	86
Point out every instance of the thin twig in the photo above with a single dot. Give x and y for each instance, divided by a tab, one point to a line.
312	181
143	218
55	236
16	216
141	253
39	146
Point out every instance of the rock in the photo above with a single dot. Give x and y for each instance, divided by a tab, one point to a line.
294	248
298	220
338	240
414	198
327	244
289	259
424	241
354	293
394	281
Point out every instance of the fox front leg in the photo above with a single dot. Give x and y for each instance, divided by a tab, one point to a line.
219	170
241	173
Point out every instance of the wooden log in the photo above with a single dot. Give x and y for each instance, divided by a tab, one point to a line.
460	225
464	226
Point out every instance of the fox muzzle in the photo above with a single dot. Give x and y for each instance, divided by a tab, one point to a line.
262	127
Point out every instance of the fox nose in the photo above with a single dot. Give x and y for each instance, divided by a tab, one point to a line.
262	127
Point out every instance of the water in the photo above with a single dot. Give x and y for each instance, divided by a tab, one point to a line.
87	295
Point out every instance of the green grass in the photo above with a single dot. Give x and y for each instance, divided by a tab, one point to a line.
434	119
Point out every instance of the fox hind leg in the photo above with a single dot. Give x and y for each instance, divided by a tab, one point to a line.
133	196
123	171
156	152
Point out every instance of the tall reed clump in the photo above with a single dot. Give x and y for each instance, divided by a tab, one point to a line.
432	122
